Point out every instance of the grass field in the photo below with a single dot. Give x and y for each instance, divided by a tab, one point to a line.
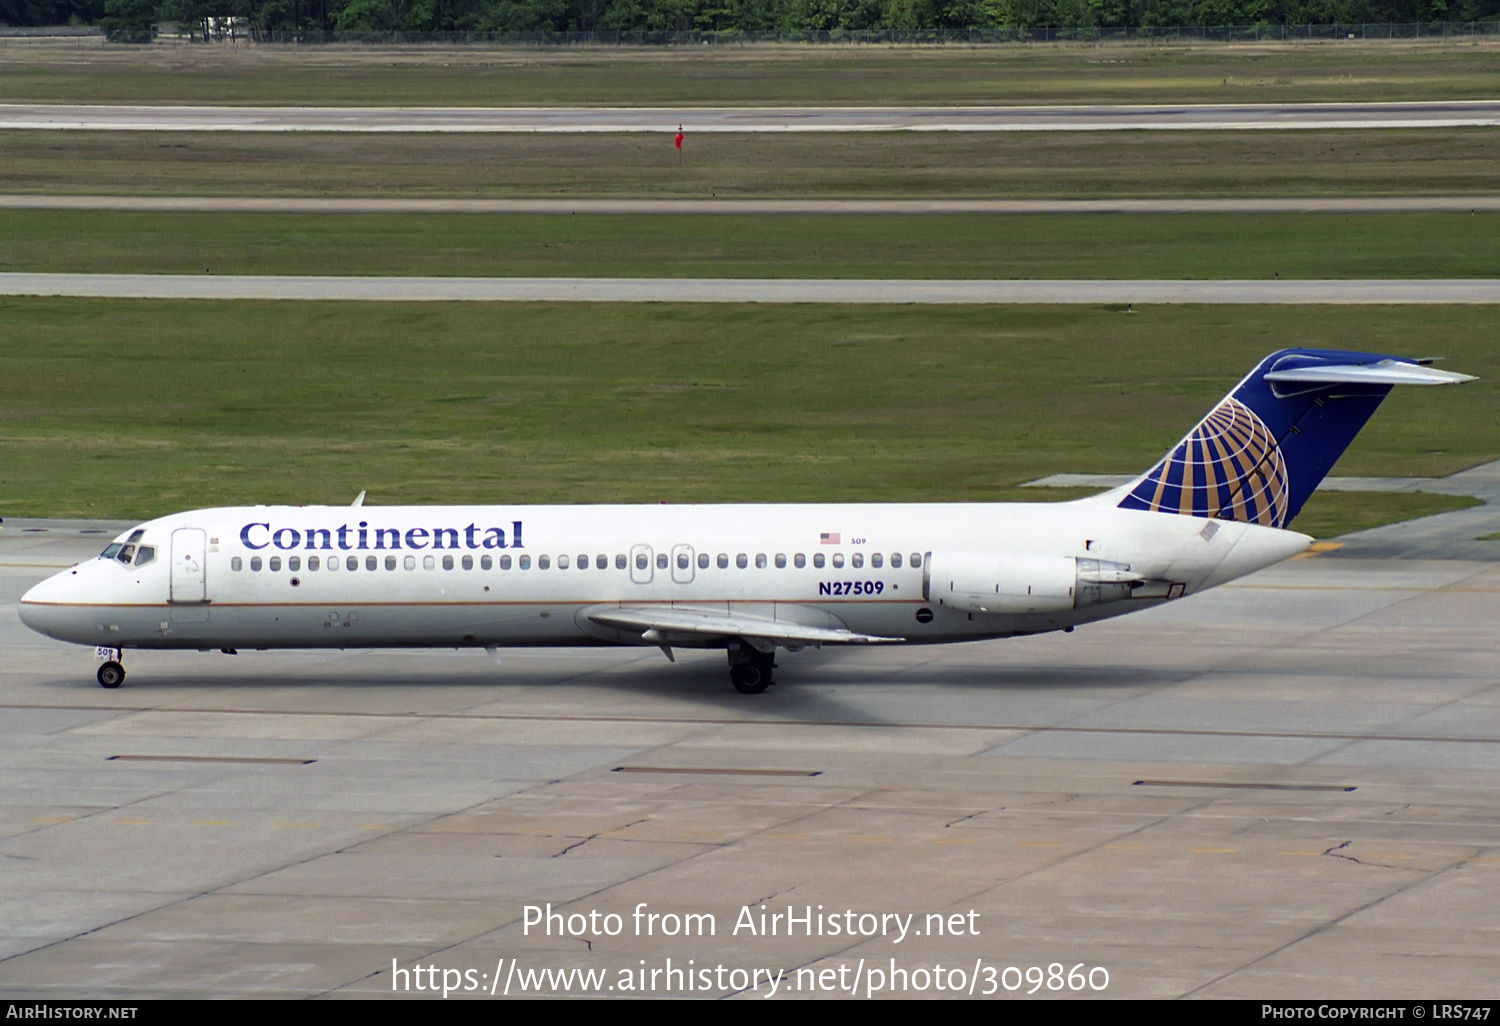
89	71
140	408
923	164
835	246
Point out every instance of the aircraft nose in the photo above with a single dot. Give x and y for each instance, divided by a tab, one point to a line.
38	608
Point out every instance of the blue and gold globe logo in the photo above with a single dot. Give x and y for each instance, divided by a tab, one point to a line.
1228	468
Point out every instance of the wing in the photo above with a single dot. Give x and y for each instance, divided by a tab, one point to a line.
669	624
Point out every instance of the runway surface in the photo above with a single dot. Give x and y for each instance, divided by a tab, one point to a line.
385	205
1056	118
751	290
1282	788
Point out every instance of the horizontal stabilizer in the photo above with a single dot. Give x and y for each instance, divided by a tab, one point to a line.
676	621
1386	372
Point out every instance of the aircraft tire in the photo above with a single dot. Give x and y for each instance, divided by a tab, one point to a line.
749	678
111	675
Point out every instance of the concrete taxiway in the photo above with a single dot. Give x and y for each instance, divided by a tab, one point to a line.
419	205
1363	292
1285	787
1052	118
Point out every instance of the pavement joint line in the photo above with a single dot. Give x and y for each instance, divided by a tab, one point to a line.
1324	927
687	721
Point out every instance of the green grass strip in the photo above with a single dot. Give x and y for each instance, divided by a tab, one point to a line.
792	246
139	408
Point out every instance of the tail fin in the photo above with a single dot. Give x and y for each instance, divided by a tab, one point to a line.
1259	454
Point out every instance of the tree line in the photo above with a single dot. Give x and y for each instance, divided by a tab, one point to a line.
757	16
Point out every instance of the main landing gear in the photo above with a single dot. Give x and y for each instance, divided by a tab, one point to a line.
750	670
111	675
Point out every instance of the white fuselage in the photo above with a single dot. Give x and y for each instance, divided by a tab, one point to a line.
380	576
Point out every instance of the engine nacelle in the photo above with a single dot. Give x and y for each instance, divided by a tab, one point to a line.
1002	583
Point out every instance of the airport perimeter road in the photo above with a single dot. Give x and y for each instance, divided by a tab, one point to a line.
749	290
1282	787
414	205
1056	118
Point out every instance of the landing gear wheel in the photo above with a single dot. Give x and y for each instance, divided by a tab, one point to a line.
111	675
749	678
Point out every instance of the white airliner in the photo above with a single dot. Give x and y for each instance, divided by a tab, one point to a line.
749	578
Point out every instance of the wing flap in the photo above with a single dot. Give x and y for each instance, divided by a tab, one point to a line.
671	621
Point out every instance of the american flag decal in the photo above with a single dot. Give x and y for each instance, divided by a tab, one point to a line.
828	539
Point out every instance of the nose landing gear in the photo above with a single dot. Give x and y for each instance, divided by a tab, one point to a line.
750	671
111	675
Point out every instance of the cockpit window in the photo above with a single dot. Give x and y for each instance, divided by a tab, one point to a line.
145	555
135	536
127	553
111	551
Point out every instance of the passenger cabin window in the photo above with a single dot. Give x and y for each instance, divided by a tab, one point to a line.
294	562
723	561
504	562
742	561
661	561
760	561
703	561
313	562
371	562
410	562
390	562
274	563
333	562
429	562
620	561
467	562
838	560
146	555
543	562
640	561
601	561
524	562
818	560
876	559
351	562
562	563
448	562
485	562
799	561
781	560
682	561
236	564
916	561
255	564
895	561
857	560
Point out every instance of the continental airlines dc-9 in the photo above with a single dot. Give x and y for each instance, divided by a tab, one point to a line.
748	579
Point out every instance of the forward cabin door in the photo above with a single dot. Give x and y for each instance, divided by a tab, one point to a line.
189	556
